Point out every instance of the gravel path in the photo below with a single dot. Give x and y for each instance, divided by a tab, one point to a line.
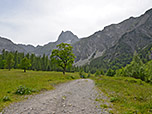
75	97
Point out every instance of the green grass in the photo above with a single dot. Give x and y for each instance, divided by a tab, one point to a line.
33	80
128	95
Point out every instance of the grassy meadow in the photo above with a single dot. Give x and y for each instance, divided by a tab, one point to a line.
36	81
127	95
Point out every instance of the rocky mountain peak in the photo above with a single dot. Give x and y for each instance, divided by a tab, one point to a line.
149	11
67	37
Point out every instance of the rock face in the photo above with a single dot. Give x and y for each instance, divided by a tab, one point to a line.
9	45
67	37
28	48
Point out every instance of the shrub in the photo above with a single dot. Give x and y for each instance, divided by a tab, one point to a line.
22	90
110	72
102	72
98	73
104	106
6	98
72	77
82	74
89	74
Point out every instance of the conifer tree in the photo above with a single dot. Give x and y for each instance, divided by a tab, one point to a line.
25	64
9	61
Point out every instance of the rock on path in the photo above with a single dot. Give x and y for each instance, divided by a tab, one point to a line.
75	97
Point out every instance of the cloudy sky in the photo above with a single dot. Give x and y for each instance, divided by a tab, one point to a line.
41	21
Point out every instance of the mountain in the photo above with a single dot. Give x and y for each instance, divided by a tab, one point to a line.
135	40
8	45
103	42
46	49
65	37
28	48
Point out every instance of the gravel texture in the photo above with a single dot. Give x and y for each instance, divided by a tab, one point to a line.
75	97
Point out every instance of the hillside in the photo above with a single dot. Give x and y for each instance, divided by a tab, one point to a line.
135	40
104	42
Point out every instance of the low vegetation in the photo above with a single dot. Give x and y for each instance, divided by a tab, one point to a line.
15	85
128	95
137	69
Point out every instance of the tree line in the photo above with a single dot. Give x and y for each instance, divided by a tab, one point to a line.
61	59
16	60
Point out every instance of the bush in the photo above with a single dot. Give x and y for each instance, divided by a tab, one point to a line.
102	72
22	90
89	74
6	98
82	74
110	72
98	73
72	77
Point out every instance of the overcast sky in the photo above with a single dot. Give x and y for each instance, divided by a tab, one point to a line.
41	21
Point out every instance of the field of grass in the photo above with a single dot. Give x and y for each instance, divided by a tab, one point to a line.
36	81
127	95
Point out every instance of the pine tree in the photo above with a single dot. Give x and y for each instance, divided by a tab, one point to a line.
25	64
98	73
43	62
15	60
9	61
32	59
110	72
148	71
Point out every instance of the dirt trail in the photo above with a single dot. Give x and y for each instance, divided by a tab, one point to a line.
75	97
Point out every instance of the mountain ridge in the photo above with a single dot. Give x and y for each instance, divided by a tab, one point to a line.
100	41
135	40
8	45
